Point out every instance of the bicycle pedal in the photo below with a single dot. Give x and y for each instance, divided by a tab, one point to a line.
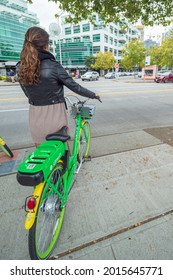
87	158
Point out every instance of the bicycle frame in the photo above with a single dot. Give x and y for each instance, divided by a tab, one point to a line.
4	148
39	161
2	142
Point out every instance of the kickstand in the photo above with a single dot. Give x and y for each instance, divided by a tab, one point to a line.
87	158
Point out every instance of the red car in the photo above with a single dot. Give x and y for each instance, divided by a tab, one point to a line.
164	79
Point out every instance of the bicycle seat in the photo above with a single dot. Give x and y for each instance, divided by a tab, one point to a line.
60	135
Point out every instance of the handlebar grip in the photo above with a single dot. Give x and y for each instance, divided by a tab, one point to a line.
98	98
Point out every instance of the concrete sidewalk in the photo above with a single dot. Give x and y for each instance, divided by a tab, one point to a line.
119	208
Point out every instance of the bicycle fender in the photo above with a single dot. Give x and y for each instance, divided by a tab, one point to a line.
2	142
30	217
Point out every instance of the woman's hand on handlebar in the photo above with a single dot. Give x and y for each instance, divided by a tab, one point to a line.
98	97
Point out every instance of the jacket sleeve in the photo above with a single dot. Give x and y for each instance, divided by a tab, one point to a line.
65	79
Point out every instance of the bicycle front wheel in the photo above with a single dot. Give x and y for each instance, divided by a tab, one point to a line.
84	141
7	150
47	226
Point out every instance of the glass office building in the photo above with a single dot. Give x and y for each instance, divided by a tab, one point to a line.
15	19
73	54
84	39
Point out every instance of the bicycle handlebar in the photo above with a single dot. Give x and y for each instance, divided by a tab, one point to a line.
98	98
79	101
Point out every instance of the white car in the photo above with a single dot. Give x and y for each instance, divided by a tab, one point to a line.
161	74
110	75
90	76
139	74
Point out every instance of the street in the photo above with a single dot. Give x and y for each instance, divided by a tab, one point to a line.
121	204
127	106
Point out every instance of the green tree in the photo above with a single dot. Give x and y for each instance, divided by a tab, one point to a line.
133	55
155	53
149	11
104	61
167	52
89	61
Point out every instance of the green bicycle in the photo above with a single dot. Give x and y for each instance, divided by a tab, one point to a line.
52	171
5	148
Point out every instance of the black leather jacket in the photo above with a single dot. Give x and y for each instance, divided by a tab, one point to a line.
53	77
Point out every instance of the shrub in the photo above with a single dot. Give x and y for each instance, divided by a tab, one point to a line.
3	78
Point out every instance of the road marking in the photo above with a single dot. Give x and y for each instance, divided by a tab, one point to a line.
13	98
136	91
14	110
108	92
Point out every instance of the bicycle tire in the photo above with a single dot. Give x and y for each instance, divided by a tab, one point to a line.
47	226
84	141
7	150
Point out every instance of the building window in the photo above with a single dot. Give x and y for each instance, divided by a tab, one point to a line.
67	30
76	29
76	39
111	40
115	52
111	29
96	38
100	19
68	40
105	38
98	26
111	50
86	38
105	49
96	49
86	27
115	32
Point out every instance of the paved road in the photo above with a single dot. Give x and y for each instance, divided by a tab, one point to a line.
127	106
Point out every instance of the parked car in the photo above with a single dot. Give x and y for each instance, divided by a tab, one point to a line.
90	76
164	79
122	74
139	74
110	75
162	74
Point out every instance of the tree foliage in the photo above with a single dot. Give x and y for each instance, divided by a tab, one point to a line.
89	61
133	55
155	53
149	11
104	61
166	51
163	55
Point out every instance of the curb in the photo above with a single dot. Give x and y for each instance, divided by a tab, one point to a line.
9	84
139	82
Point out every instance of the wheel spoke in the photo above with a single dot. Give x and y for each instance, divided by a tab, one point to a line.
44	234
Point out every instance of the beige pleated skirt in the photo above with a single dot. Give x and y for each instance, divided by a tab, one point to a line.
44	120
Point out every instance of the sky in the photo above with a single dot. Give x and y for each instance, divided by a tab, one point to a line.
46	10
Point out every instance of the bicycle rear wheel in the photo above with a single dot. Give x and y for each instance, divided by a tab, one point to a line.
47	226
84	141
6	150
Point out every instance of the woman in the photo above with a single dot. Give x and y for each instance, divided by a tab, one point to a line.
42	79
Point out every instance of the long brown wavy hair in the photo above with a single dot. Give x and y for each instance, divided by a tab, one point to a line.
36	39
